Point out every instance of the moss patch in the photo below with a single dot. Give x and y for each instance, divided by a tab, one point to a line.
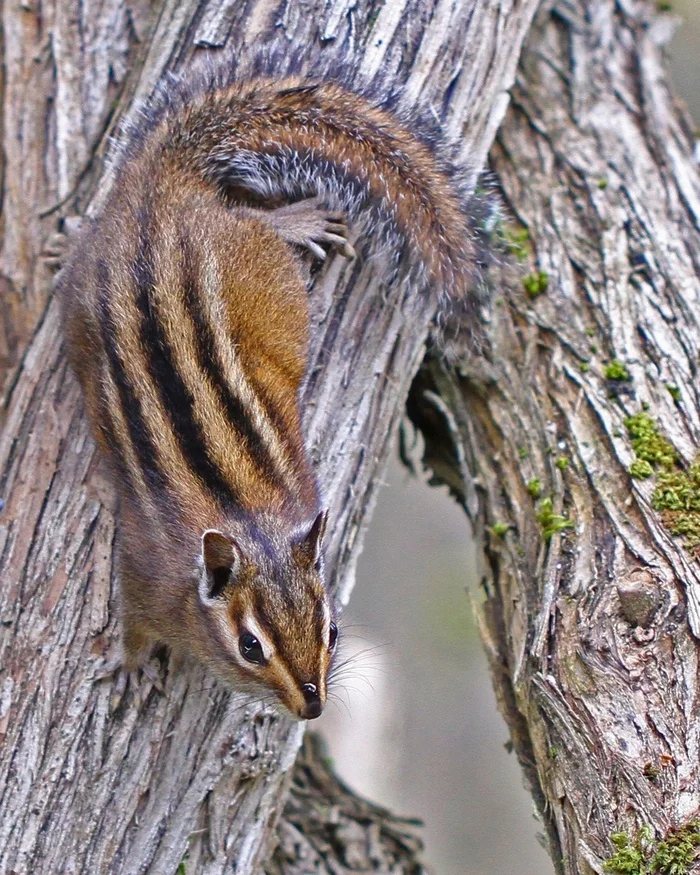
516	241
648	443
534	488
628	859
686	525
678	851
499	529
651	771
536	283
640	469
551	522
677	491
617	371
673	855
506	237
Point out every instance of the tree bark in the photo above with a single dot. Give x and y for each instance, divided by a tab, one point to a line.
85	788
592	634
327	828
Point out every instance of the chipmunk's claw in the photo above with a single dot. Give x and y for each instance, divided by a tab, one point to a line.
124	677
309	224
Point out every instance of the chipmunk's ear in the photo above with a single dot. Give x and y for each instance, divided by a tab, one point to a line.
310	545
220	556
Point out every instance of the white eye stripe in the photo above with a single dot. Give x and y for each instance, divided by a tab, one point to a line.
253	627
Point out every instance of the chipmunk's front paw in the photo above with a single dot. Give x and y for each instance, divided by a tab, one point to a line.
308	223
142	678
58	245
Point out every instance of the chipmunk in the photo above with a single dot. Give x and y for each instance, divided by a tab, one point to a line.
186	320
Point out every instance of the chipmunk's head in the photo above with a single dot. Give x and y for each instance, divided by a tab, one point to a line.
268	615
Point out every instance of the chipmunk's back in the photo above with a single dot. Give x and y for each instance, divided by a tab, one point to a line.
190	340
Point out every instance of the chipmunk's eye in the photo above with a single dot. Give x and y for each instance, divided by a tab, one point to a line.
251	649
332	636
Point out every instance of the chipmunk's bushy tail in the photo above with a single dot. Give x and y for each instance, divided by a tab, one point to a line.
292	138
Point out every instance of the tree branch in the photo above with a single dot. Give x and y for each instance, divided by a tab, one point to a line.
84	788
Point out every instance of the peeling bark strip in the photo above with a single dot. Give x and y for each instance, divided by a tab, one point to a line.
592	635
83	790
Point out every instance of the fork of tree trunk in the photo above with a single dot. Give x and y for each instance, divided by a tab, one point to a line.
590	602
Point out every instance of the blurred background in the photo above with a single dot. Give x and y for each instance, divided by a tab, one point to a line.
418	730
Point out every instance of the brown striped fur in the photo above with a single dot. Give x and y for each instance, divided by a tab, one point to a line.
187	320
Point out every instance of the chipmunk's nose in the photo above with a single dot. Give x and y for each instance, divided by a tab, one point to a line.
313	706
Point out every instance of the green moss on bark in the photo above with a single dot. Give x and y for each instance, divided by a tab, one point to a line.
675	854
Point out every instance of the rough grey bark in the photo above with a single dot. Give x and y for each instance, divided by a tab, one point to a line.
84	788
328	828
593	635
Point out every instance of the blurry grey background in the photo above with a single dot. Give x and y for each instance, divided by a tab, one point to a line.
417	728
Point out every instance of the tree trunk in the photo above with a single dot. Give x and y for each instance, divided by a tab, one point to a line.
592	611
86	789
